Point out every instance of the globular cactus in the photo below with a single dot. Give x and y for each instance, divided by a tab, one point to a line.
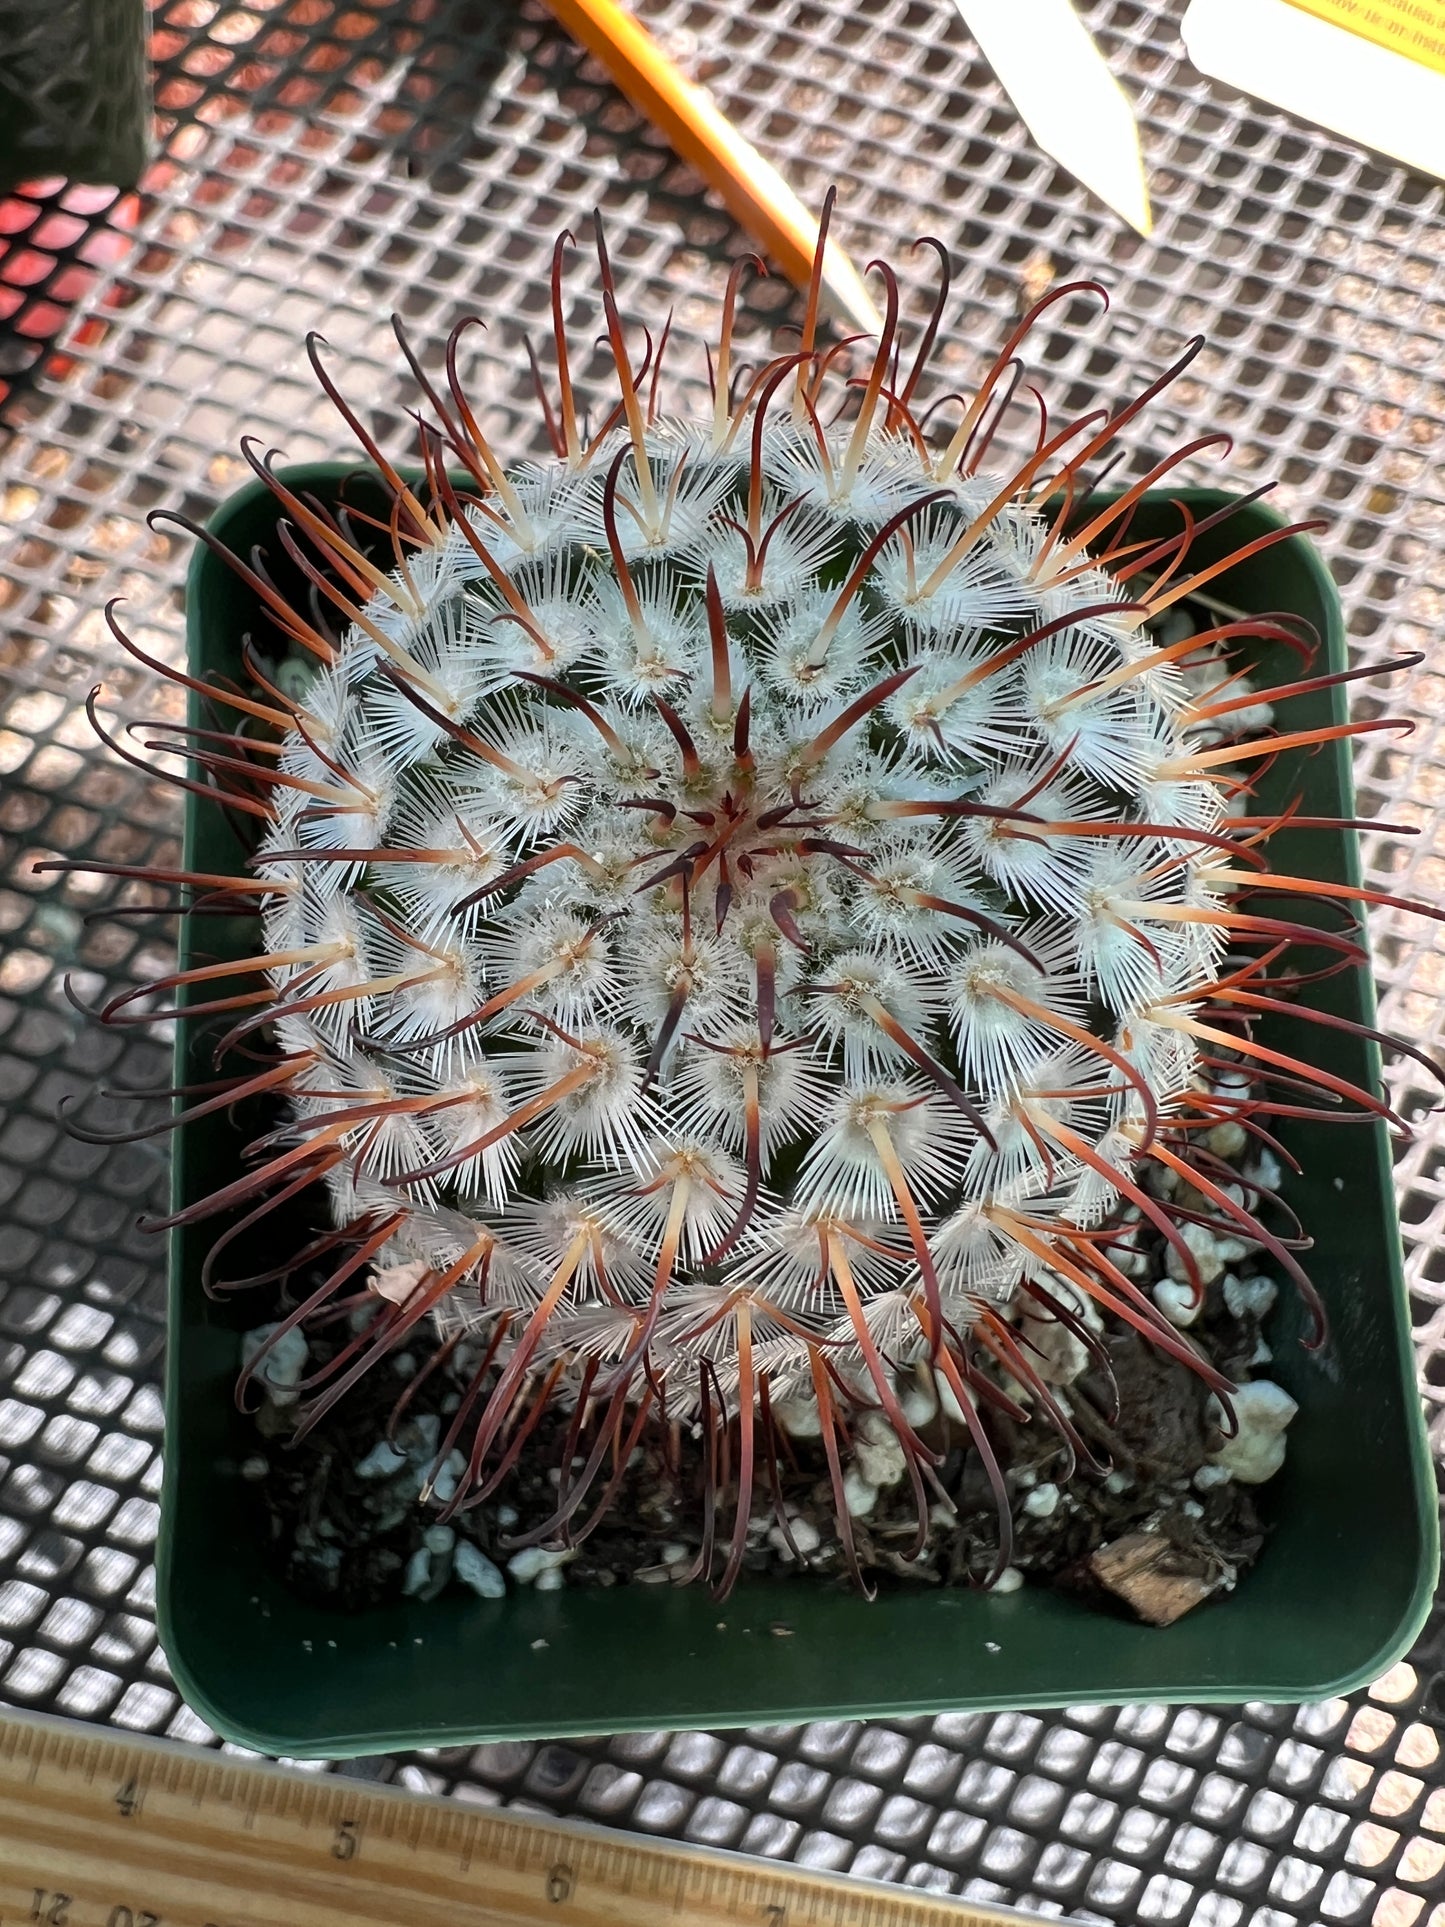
742	903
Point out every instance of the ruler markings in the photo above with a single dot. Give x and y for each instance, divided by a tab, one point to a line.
142	1834
421	1835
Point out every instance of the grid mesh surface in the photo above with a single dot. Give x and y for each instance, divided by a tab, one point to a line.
323	162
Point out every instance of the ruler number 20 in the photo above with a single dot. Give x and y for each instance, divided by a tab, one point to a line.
53	1910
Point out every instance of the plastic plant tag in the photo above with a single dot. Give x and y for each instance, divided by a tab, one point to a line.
1050	67
1414	28
1373	70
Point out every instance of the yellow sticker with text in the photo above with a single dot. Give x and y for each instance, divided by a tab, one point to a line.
1414	28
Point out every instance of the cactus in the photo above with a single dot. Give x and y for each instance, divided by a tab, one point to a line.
741	903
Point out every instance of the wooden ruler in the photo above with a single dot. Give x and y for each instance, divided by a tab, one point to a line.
100	1831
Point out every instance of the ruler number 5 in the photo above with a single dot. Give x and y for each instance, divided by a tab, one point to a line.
346	1840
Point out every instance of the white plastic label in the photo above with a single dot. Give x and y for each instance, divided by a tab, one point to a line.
1373	70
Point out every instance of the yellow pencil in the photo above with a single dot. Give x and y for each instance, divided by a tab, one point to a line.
755	193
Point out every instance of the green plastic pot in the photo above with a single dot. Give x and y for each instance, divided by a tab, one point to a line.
74	91
1342	1587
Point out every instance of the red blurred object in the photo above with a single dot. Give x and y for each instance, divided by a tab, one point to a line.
54	239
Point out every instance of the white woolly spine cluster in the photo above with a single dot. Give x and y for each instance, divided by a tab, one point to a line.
743	910
735	897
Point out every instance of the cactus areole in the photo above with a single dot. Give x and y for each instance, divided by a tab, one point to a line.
742	904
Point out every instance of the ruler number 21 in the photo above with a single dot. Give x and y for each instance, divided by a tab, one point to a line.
53	1910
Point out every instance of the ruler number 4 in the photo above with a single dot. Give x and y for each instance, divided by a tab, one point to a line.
776	1915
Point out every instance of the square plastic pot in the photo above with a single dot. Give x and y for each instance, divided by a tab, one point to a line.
1342	1586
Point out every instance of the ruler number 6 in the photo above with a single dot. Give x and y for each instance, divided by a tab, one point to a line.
559	1882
